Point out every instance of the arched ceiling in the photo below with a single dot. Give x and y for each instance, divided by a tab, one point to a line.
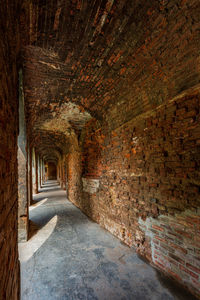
52	143
49	144
105	59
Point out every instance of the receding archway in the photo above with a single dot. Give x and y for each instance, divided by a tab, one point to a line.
52	171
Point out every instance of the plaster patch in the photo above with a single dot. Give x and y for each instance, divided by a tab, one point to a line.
90	186
69	116
175	244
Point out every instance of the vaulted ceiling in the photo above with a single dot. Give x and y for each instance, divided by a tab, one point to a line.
106	59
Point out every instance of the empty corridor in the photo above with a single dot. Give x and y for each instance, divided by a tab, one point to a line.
71	257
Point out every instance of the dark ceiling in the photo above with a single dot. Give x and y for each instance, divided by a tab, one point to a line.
110	60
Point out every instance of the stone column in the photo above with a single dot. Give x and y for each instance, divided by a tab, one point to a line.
61	167
23	215
38	171
43	177
58	172
64	175
41	172
30	189
35	171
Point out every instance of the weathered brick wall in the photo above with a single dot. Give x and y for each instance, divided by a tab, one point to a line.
137	55
9	45
141	181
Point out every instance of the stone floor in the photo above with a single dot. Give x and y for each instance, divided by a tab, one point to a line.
70	257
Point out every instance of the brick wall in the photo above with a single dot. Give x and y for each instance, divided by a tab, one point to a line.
148	190
137	55
9	45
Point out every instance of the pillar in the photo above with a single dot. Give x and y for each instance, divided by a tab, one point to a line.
23	215
38	171
35	171
41	172
30	187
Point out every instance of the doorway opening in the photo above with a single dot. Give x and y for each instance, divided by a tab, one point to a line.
51	171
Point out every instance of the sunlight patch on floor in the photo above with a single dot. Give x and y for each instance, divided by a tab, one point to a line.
32	207
27	250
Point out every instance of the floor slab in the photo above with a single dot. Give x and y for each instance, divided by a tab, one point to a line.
70	257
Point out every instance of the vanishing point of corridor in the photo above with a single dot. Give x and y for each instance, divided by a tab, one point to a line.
70	257
99	149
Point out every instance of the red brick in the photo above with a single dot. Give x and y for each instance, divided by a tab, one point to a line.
195	269
157	227
189	272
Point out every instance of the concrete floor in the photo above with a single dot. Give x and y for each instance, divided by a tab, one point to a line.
70	257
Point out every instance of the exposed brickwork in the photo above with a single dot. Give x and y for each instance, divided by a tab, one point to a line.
115	65
147	169
175	245
9	264
9	49
102	57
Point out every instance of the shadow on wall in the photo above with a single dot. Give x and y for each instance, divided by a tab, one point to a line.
174	287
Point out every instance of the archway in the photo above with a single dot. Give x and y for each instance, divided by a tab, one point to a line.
51	171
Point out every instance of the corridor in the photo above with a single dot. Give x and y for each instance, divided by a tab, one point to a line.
70	257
